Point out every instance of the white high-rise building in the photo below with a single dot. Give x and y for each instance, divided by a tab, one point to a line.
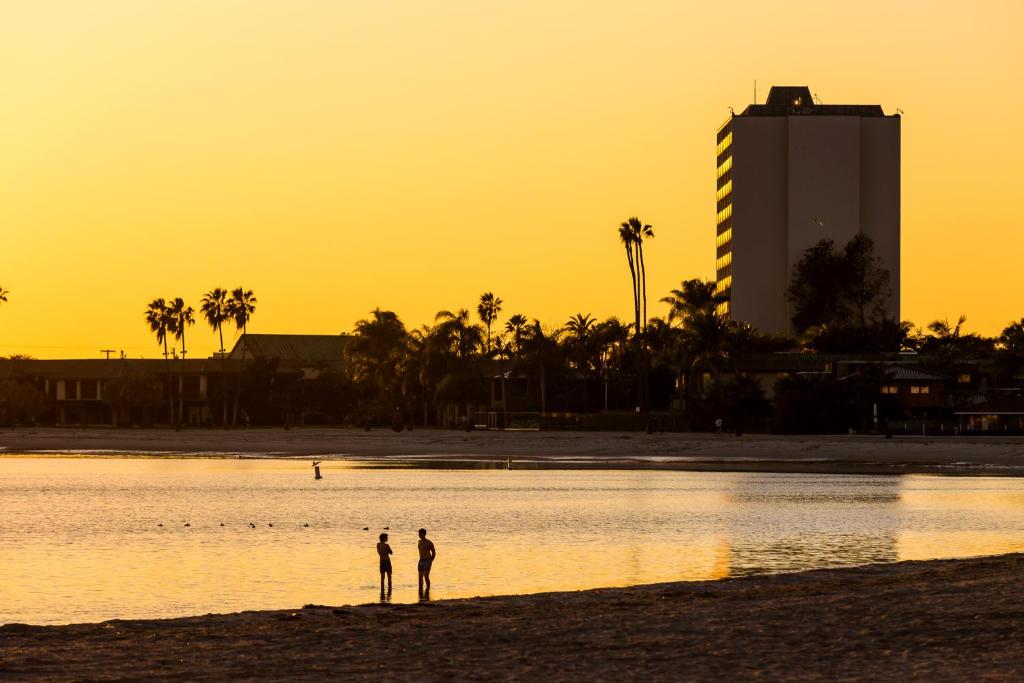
790	173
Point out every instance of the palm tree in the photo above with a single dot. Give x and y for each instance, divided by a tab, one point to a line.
692	299
579	329
3	295
462	336
704	330
543	348
240	307
488	310
503	350
216	312
183	317
632	233
627	239
159	319
375	355
515	326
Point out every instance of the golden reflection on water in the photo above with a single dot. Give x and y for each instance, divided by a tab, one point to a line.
81	539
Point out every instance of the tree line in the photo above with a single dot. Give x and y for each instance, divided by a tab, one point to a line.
172	318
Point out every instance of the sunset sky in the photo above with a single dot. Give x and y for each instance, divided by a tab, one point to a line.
336	156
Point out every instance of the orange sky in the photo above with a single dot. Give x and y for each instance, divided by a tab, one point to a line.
341	155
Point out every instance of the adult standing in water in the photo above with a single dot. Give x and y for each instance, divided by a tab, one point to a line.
427	555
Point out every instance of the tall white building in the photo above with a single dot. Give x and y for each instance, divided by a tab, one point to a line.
790	173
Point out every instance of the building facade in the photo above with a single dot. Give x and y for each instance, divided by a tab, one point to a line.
790	173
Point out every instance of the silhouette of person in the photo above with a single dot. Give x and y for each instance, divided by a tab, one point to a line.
385	552
427	555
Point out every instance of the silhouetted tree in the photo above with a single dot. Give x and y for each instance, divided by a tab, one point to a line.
488	310
182	317
241	307
161	323
515	326
216	311
375	355
632	233
20	403
839	299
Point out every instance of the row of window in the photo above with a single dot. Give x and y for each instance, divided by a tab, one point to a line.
724	144
914	389
723	191
723	261
724	215
724	167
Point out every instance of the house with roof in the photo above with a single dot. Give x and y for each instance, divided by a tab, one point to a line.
309	354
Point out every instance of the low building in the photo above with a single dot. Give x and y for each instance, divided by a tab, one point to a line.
125	391
996	414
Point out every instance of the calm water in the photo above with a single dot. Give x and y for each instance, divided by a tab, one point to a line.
80	541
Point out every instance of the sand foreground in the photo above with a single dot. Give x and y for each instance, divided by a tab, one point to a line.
693	451
936	621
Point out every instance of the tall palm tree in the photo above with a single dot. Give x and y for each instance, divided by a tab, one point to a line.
488	310
627	239
183	317
241	307
637	232
216	312
632	233
160	322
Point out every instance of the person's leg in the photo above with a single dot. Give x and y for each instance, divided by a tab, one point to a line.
389	582
426	577
382	580
421	582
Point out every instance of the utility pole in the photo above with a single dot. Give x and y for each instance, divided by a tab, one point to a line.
107	352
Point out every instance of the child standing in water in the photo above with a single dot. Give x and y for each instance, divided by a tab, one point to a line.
384	550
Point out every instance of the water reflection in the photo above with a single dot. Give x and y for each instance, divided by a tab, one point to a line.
82	540
823	521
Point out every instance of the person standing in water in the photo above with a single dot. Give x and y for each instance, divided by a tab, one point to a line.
427	555
384	550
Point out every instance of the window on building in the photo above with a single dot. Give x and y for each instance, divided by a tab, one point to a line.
890	389
89	390
919	389
964	379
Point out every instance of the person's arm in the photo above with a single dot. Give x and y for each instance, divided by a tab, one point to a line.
390	551
433	552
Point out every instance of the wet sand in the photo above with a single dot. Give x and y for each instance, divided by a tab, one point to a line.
754	452
936	621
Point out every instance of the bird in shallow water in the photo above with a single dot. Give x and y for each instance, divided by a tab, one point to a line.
251	525
222	523
159	524
187	524
270	525
306	524
366	528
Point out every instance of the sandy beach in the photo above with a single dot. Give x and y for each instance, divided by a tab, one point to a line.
939	620
692	451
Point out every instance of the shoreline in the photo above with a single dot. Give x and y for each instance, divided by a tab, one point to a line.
826	454
938	620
